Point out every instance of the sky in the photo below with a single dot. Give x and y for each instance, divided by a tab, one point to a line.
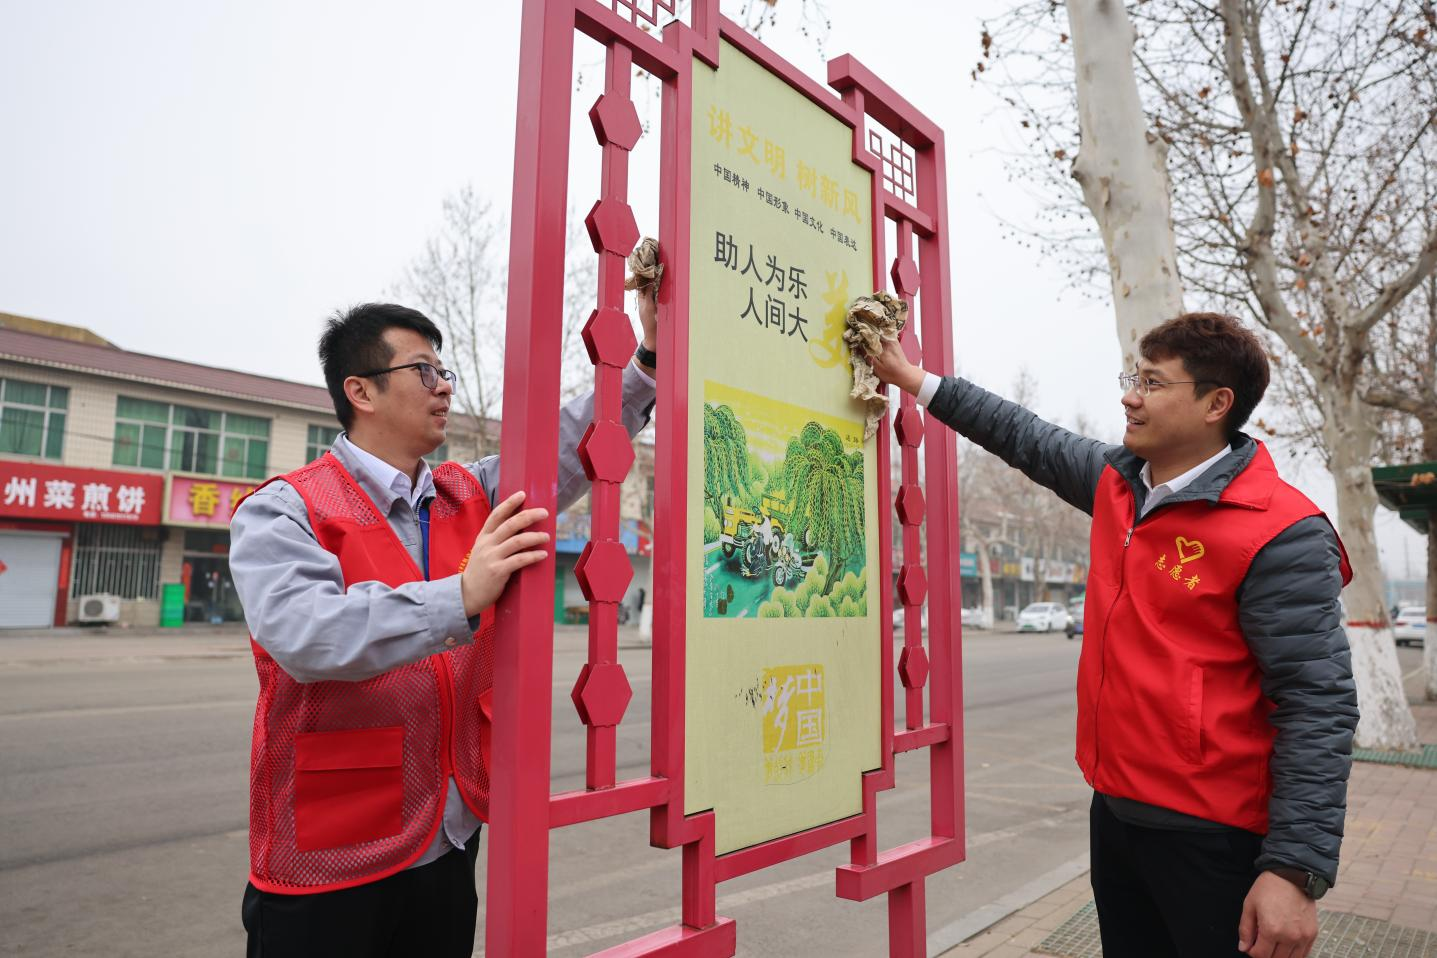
209	181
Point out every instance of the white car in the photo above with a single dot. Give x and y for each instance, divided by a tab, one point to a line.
975	619
1410	626
1043	617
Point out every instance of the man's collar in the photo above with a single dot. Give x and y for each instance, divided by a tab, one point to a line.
1208	485
380	480
1180	482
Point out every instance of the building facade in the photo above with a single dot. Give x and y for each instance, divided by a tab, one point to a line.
119	472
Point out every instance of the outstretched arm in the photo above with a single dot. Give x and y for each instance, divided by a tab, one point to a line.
1050	455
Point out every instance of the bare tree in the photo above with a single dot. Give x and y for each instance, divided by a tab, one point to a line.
1294	131
1001	507
460	281
1408	386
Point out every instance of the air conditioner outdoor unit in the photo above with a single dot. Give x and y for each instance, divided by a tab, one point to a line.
99	607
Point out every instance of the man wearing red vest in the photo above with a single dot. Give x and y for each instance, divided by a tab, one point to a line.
368	582
1216	704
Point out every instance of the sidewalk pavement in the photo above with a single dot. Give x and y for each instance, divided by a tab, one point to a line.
1384	902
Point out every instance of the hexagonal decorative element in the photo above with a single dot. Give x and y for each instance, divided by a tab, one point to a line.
909	427
910	505
602	694
912	585
603	571
913	667
606	452
612	228
905	277
615	121
610	338
912	348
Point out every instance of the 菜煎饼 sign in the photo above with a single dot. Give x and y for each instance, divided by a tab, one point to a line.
69	494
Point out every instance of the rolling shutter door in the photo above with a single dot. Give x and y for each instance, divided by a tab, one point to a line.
29	576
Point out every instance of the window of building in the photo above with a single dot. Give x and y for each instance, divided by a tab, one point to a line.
120	560
319	440
156	435
32	418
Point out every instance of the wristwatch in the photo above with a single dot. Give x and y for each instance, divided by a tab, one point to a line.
1313	886
647	357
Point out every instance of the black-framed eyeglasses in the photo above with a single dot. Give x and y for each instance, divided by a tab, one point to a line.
1146	384
429	374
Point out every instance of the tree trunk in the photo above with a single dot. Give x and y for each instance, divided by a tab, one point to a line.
1429	635
1122	170
1386	719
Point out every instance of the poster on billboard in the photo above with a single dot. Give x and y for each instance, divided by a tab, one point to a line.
783	691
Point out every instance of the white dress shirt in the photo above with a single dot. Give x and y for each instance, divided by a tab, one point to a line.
1172	486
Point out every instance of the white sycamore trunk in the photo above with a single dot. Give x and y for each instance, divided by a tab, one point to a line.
1386	720
1122	170
1429	641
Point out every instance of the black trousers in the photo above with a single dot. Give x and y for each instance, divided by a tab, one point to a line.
1163	893
428	911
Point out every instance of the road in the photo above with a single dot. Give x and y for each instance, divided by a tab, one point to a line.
123	805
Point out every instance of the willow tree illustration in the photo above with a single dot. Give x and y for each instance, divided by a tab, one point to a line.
726	465
824	488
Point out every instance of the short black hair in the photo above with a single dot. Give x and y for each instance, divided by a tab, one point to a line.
1217	350
353	343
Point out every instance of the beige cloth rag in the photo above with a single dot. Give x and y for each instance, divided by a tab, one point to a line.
872	320
644	266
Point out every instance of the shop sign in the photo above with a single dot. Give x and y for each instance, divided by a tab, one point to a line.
202	503
968	565
67	494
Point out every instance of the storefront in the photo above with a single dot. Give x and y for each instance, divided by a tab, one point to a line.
59	526
198	509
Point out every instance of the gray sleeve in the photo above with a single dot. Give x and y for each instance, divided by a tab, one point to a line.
574	418
1289	612
300	612
1050	455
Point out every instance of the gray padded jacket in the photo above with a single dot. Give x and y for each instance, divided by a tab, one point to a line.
1287	605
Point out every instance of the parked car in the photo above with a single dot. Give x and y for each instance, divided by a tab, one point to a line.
1410	626
975	619
1042	617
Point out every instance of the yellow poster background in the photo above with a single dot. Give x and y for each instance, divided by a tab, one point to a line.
783	713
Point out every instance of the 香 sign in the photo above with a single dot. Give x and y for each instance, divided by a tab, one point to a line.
67	494
203	503
783	693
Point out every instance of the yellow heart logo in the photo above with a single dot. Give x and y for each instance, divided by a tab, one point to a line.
1189	550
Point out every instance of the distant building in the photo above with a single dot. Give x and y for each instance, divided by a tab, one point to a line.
119	472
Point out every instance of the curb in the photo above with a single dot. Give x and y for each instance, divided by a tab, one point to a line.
952	935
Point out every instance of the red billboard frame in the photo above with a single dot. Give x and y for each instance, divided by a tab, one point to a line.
909	176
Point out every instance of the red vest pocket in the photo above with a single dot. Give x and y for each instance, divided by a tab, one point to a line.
1192	729
348	786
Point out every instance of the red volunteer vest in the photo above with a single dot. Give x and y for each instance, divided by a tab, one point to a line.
348	779
1170	706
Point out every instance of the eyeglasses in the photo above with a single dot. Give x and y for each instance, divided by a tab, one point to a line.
429	375
1146	384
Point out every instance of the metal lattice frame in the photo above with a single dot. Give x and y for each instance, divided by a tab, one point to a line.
909	189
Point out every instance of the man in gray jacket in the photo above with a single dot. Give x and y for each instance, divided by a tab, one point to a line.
368	582
1216	703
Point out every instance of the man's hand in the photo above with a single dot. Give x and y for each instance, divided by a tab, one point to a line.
1278	920
501	549
893	367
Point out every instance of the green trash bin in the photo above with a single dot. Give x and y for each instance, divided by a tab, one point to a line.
172	605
